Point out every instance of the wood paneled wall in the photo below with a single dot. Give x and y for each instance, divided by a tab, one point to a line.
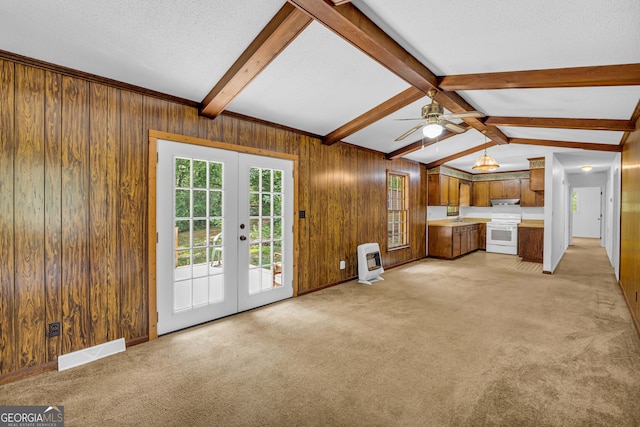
73	203
630	224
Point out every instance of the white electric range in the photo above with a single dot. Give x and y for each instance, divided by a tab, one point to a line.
502	233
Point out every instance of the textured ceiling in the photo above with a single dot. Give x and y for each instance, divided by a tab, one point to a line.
320	82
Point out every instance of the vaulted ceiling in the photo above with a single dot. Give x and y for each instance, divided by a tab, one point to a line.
550	76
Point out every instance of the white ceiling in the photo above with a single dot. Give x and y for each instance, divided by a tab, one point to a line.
320	82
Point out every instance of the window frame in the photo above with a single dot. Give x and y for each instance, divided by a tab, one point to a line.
402	214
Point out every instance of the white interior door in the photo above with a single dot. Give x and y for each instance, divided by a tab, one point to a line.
225	233
587	212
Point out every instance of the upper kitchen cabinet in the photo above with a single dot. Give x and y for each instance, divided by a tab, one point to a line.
444	190
536	166
465	193
504	189
528	197
480	194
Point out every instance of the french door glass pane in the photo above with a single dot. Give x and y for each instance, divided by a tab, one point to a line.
265	229
199	223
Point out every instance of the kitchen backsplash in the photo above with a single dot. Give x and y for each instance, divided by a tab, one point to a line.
440	212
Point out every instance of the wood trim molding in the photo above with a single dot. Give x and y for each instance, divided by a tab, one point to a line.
391	105
283	28
558	123
152	237
70	72
580	145
603	75
415	146
30	371
215	144
355	27
154	136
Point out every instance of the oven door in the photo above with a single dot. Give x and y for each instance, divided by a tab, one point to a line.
502	238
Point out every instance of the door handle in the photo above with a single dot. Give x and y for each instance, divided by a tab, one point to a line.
243	238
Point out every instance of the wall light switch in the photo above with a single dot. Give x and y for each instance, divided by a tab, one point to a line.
342	265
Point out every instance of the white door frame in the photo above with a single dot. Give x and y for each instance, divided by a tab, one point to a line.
154	136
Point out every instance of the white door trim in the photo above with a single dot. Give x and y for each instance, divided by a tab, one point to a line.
154	135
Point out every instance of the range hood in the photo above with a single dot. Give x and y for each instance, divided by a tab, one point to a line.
504	202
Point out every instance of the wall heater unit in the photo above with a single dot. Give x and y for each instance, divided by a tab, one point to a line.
369	263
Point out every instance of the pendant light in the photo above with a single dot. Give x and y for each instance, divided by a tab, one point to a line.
485	163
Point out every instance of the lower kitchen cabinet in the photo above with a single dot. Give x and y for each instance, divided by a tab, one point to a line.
531	243
453	241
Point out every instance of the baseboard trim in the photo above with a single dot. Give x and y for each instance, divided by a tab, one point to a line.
137	340
28	372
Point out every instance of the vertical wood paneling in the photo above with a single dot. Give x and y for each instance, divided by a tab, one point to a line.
7	315
75	215
210	129
156	115
175	123
191	121
630	223
29	216
303	181
86	210
133	228
314	214
52	208
104	277
350	228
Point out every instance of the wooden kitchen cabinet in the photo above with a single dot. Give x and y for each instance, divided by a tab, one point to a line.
528	197
465	193
454	191
482	238
480	194
504	189
537	179
531	243
443	190
453	241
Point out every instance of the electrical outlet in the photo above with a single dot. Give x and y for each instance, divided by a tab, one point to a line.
343	265
54	329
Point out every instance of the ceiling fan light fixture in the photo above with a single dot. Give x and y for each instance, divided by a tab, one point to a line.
587	168
432	130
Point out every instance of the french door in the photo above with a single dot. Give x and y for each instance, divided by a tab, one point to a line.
225	233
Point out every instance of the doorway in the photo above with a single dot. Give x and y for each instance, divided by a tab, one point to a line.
587	212
224	223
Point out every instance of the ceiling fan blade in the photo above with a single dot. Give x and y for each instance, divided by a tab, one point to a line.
409	132
453	127
464	115
417	118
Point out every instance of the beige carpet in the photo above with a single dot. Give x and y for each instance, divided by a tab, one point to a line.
495	260
437	343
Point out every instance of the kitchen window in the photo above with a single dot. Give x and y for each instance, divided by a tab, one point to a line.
397	210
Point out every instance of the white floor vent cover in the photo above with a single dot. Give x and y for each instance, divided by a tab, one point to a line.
81	357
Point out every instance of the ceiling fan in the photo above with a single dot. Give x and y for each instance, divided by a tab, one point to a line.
434	121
